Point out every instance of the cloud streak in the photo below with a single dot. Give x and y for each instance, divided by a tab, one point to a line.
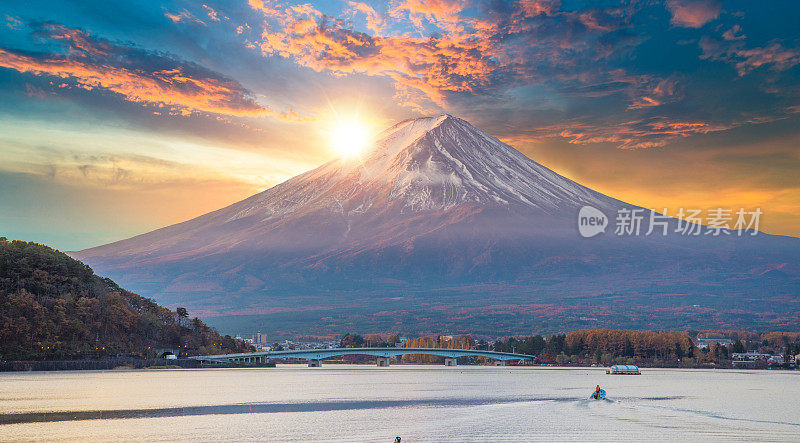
646	133
137	75
649	132
773	56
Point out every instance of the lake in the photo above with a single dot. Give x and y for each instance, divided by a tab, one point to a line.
418	403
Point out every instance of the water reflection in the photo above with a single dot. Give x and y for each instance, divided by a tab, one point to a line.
421	403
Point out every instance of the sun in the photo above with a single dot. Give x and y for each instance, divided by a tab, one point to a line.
350	137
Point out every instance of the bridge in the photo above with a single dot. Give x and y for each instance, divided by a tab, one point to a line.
315	356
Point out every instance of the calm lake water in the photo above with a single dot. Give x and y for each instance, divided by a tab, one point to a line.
418	403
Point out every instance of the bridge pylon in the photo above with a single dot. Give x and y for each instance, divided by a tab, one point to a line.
448	361
314	363
383	362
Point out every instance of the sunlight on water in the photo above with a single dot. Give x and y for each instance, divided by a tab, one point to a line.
419	403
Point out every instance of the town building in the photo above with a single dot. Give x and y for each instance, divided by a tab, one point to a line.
703	343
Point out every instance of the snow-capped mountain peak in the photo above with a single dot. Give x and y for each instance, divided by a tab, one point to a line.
424	164
436	163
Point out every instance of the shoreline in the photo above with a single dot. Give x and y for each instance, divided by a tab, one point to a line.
188	363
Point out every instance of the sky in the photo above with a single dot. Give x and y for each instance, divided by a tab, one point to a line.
119	117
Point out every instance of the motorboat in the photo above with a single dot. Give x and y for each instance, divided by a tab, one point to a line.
598	395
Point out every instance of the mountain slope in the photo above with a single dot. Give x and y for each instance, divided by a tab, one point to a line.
418	169
52	306
437	207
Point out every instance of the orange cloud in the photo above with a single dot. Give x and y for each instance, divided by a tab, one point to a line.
13	22
635	134
183	16
213	14
693	13
773	56
127	71
644	102
169	87
537	7
733	33
433	66
463	53
665	91
644	133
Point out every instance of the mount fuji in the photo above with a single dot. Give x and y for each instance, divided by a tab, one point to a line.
443	228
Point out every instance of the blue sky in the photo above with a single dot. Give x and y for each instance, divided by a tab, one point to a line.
121	117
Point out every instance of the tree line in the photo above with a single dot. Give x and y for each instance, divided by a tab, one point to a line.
606	346
652	348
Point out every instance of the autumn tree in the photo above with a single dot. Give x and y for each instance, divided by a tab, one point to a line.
351	341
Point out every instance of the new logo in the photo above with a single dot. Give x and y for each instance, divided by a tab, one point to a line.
591	221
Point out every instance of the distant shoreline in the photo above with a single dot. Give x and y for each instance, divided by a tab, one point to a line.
189	363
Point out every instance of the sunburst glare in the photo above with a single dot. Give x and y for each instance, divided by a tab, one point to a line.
350	137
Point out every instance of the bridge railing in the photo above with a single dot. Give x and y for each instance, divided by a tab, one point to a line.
383	354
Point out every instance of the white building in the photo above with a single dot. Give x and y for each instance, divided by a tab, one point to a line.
703	343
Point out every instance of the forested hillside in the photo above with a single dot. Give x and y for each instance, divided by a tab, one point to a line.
55	307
